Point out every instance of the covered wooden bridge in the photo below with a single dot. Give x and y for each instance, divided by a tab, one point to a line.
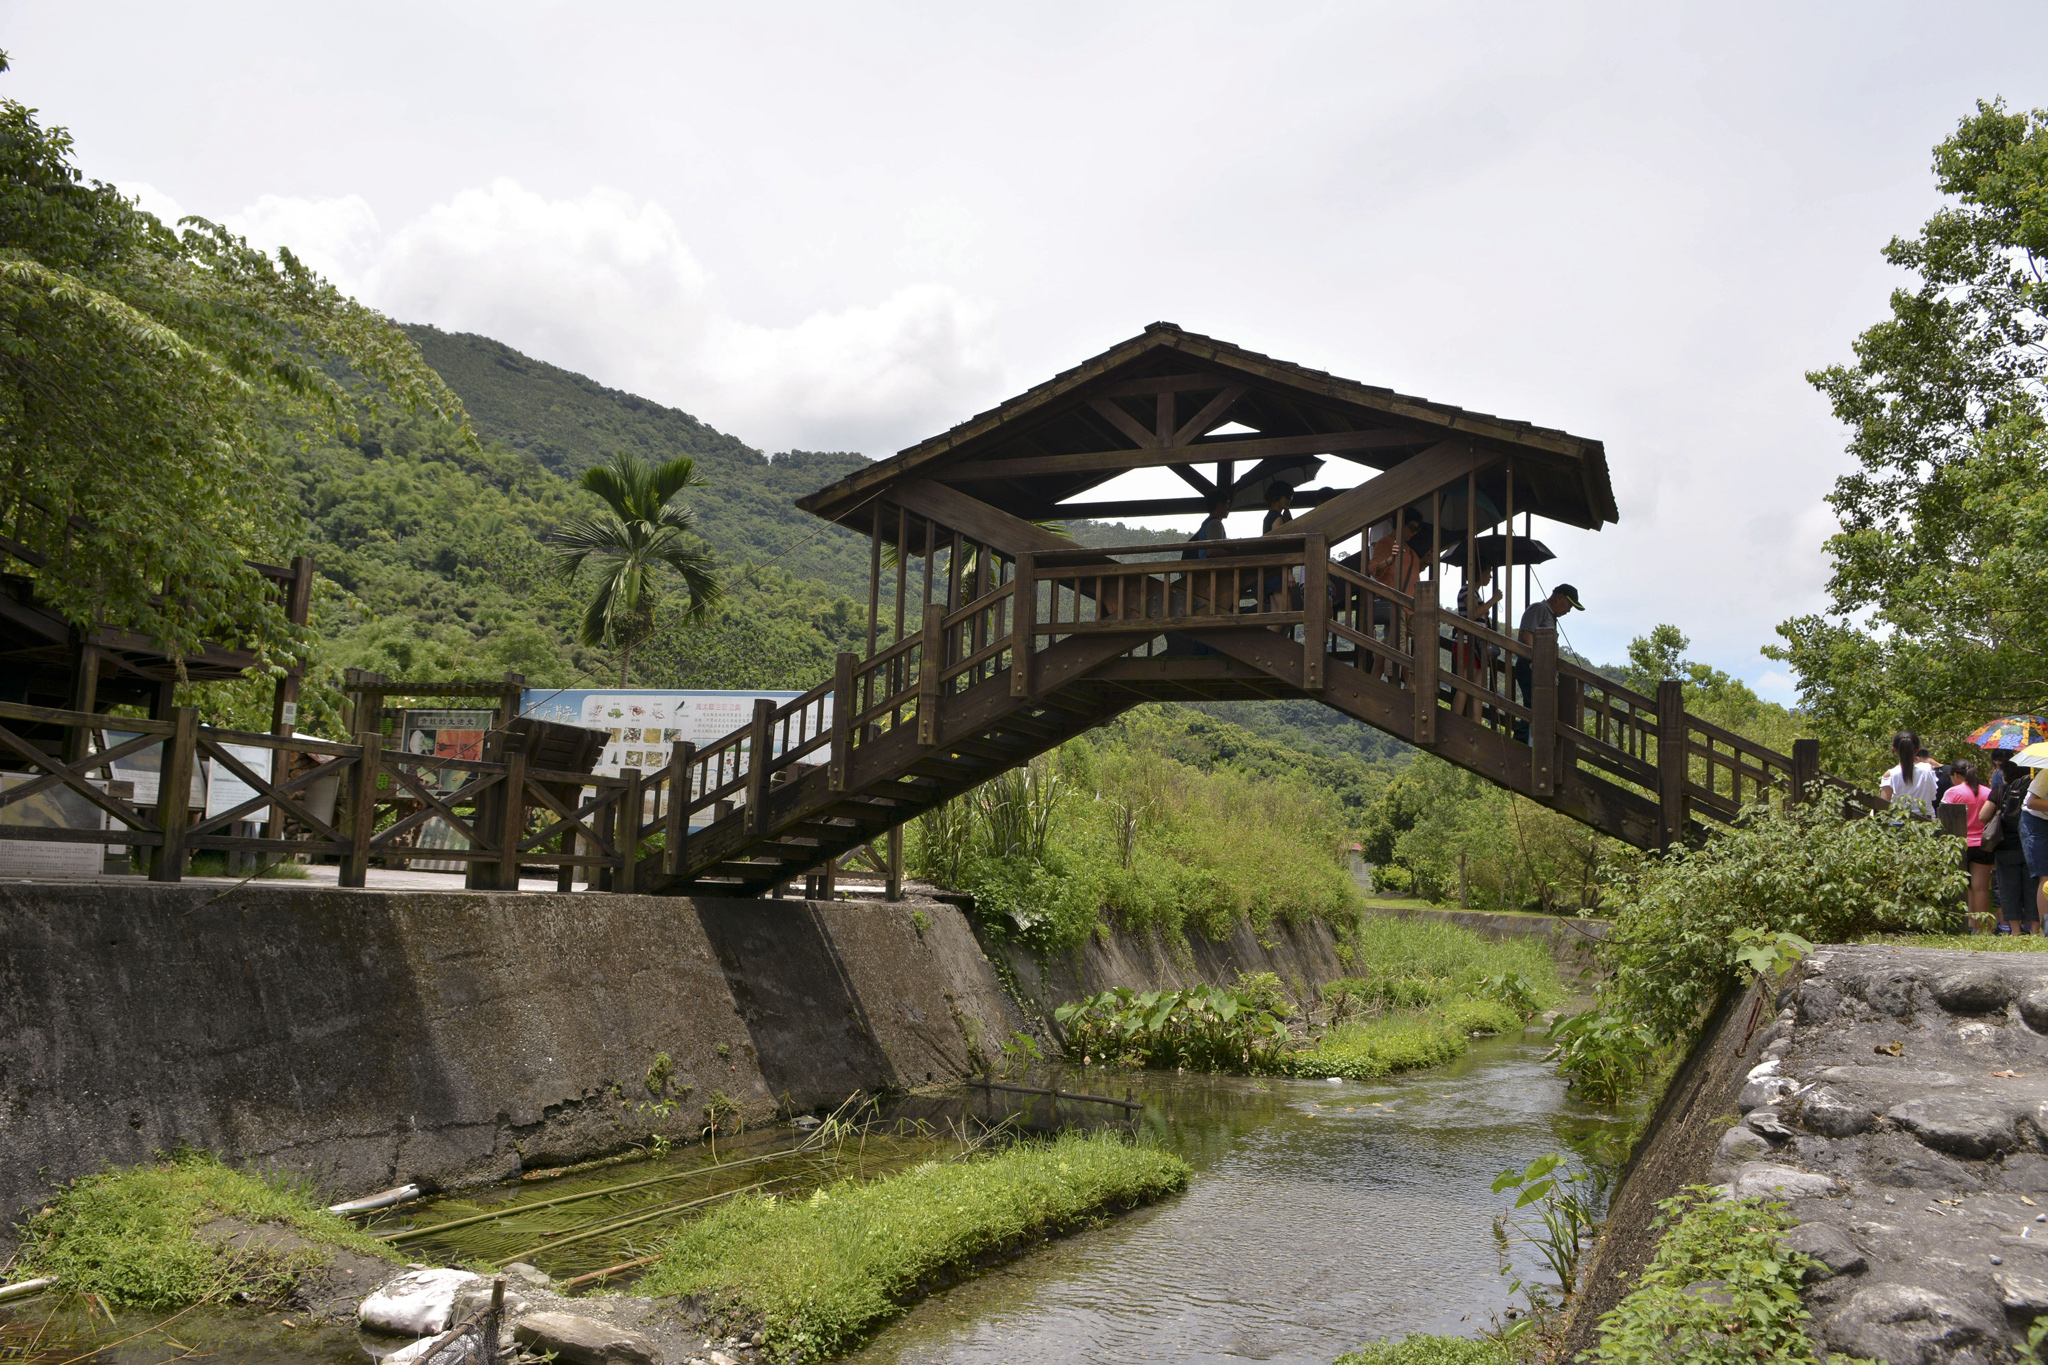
993	638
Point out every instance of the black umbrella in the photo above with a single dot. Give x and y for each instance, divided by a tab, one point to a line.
1493	551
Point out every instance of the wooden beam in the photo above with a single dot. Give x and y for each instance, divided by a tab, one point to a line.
1210	415
1162	507
1194	479
1167	383
1124	422
977	519
1234	448
1415	477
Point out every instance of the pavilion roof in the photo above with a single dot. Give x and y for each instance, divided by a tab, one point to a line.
1155	400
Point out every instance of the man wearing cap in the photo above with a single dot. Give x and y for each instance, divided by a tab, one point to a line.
1540	616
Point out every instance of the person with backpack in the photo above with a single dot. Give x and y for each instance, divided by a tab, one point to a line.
2015	892
1975	798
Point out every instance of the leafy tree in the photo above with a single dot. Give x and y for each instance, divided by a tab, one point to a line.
139	367
1710	693
1937	615
642	532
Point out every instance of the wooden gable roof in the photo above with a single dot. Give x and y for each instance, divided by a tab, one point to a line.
1154	400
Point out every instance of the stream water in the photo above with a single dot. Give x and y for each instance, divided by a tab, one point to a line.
1321	1215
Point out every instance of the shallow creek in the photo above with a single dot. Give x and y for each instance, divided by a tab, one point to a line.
1321	1215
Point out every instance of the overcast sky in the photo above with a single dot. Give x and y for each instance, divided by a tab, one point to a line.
849	226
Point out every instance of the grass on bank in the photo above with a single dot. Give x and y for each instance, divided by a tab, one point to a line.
1405	1041
131	1236
820	1274
1976	943
1428	1350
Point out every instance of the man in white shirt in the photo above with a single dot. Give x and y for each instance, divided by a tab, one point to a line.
1540	616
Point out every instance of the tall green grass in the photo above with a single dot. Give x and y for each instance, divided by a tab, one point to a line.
1426	1350
820	1274
131	1236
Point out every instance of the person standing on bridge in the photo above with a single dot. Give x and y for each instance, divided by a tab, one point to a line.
1544	615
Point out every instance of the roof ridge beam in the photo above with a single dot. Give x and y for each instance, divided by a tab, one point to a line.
1414	478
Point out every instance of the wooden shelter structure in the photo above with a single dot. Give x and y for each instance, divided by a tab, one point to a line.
992	637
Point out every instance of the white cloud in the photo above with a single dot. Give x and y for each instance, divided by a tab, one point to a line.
1775	685
605	284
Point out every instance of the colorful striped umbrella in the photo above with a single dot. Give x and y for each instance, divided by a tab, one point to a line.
2010	732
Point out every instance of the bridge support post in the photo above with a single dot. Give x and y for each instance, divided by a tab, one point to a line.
1315	609
1805	769
760	741
1024	622
1428	659
1671	762
355	864
931	661
676	827
1543	706
842	721
892	880
631	808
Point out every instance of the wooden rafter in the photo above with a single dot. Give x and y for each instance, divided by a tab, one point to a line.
1234	448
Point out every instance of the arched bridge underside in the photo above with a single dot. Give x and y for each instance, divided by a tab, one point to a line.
994	639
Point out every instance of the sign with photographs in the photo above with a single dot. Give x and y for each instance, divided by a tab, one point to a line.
445	734
640	726
51	808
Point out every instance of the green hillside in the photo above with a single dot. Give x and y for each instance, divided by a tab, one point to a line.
433	563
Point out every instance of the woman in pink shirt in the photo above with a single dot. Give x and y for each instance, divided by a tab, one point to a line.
1969	794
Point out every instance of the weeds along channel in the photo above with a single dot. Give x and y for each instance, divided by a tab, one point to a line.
1424	988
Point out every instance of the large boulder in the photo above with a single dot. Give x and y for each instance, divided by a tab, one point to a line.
416	1304
584	1341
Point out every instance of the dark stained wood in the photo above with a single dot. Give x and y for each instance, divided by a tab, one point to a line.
1211	415
1410	481
1023	620
975	518
1315	618
1543	703
760	748
931	665
1123	421
1203	452
1170	383
1671	762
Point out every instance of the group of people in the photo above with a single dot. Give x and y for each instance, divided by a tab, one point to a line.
2007	830
1397	559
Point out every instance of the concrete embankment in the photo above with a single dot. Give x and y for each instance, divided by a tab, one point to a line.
360	1038
1897	1100
1303	955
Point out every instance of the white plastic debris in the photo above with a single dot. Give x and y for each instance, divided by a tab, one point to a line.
416	1304
382	1200
454	1353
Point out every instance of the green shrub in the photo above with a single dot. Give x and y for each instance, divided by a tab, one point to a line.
130	1235
1721	1288
1426	1350
820	1274
1805	870
1205	1029
1380	1047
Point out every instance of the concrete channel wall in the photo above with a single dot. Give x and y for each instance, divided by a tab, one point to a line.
361	1038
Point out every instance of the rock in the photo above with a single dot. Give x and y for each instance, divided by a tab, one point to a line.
1907	1324
1770	1067
584	1341
1829	1112
1817	1002
1957	1125
1891	993
1830	1247
1764	1090
533	1275
416	1304
1767	1123
2034	1008
1973	990
1773	1181
1977	1032
721	1358
2023	1295
1740	1144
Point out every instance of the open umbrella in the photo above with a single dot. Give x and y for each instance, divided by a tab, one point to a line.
1493	551
2010	732
2033	756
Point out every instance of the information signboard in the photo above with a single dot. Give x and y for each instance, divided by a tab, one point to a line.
51	808
445	734
639	726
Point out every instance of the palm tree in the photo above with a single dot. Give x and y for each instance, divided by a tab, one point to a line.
641	533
